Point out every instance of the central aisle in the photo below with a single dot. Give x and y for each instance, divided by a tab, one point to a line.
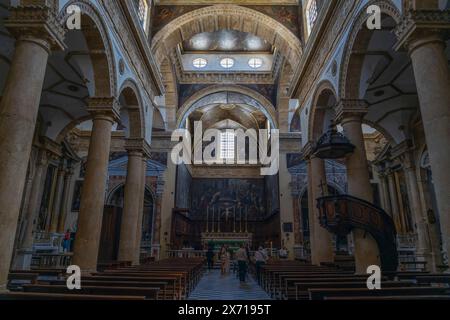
215	287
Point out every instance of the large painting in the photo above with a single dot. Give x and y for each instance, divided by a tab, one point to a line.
249	193
182	195
272	194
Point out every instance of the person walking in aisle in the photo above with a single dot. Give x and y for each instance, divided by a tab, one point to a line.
260	260
242	259
210	258
222	258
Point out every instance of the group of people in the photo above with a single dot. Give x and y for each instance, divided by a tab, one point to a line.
242	260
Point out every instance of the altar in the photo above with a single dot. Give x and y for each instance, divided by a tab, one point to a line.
232	239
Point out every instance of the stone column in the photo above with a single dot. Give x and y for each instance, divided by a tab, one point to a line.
137	256
87	239
320	239
350	114
65	201
167	204
156	236
56	207
131	208
24	253
427	51
394	199
385	193
37	33
286	205
422	249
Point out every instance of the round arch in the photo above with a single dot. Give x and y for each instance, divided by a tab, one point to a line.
97	40
231	17
130	93
358	41
316	118
381	130
269	109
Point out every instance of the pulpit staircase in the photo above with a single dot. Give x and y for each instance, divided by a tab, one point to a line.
340	214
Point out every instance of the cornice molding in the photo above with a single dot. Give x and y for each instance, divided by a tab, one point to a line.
351	108
38	23
416	26
104	107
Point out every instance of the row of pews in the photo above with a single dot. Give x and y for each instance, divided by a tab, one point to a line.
170	279
294	280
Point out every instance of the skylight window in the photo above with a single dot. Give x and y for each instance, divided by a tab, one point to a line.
227	63
227	145
143	14
200	63
311	14
255	63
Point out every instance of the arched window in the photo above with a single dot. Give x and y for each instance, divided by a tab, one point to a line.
227	145
311	14
143	11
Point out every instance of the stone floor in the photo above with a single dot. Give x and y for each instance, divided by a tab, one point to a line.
213	286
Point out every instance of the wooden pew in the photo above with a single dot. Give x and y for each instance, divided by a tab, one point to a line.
302	293
148	292
388	298
325	293
53	296
178	279
171	289
163	294
16	280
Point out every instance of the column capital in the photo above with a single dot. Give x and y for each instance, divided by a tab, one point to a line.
351	108
138	145
418	27
42	158
37	23
407	160
104	107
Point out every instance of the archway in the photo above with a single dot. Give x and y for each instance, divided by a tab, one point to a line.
93	29
322	111
131	112
259	102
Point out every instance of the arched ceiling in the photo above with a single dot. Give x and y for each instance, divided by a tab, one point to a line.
221	108
226	31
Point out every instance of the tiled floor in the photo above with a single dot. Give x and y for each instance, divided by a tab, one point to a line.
215	287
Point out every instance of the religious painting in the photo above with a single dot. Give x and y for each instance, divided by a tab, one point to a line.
286	15
77	196
44	214
246	193
182	195
272	194
165	14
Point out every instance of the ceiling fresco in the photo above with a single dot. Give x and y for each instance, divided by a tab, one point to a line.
288	15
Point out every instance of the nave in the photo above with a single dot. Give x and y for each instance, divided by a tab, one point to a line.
102	167
188	279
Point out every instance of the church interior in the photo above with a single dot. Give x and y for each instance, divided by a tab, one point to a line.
351	99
